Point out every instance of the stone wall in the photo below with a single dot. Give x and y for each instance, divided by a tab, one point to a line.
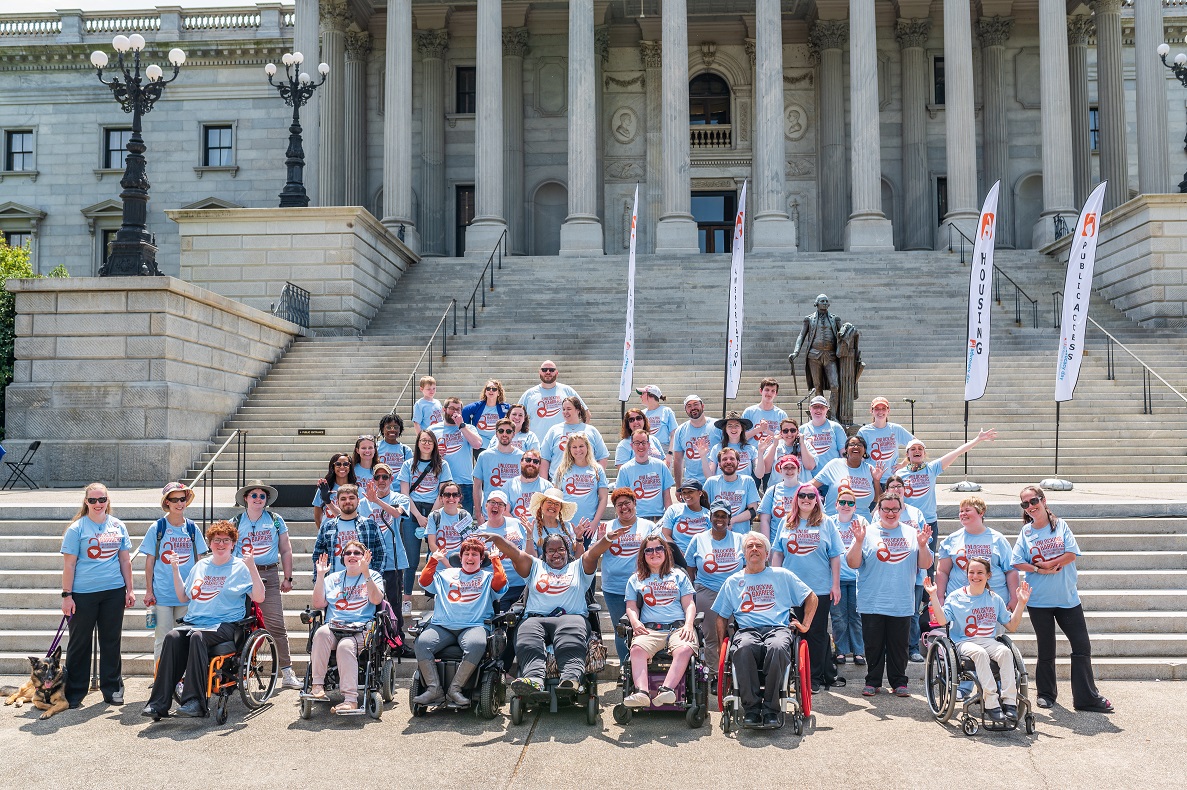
126	379
1141	259
343	256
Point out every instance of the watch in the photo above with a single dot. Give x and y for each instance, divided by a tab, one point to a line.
288	579
66	593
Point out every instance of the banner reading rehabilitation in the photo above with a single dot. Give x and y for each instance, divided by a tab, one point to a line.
628	345
733	357
1077	291
976	371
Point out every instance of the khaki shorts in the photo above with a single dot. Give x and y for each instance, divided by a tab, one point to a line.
654	641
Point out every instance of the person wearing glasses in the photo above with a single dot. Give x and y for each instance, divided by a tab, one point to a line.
340	473
846	620
173	538
809	545
389	508
661	420
543	401
450	524
496	466
887	558
524	438
884	438
713	556
348	525
620	561
649	477
1046	552
529	483
364	456
853	470
486	411
779	500
912	516
420	480
633	420
661	608
789	444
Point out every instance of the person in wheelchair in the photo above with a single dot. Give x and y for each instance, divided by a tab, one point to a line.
464	601
216	591
761	599
975	611
666	619
355	592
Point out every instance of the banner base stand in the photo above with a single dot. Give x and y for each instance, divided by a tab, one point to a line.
1056	484
966	485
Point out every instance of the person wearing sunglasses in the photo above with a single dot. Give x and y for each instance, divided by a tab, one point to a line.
340	473
884	438
388	509
632	420
485	412
661	608
779	500
173	538
523	438
1046	552
543	401
809	545
96	589
913	517
451	523
853	470
789	444
420	478
496	466
574	419
846	620
525	486
888	557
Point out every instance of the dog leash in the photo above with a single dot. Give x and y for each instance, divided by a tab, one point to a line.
58	637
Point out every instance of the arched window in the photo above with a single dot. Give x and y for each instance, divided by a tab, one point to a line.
708	101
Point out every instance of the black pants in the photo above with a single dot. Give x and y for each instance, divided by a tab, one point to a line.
1071	622
104	610
186	651
569	635
824	671
761	658
886	648
393	590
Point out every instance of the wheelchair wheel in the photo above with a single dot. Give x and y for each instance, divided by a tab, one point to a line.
306	709
487	705
592	710
797	723
696	717
375	705
622	714
1029	724
516	711
220	709
941	679
1020	676
414	691
803	691
258	670
387	680
969	726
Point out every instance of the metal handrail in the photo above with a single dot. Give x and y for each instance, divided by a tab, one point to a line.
963	239
1018	292
207	482
470	312
444	350
1060	225
1147	371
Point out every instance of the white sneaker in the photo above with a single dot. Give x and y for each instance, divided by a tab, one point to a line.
639	699
406	609
665	696
289	680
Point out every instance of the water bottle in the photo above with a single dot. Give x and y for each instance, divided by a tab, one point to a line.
150	618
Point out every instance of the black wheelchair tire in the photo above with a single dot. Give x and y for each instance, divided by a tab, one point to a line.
220	710
1029	724
387	680
622	714
486	704
375	705
414	691
592	710
306	709
258	670
941	676
516	711
797	723
695	717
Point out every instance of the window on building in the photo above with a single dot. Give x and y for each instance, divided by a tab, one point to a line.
467	89
18	238
937	80
1094	128
708	101
105	249
217	150
18	150
941	199
115	143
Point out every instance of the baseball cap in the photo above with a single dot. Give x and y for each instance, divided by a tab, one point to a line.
651	390
879	402
720	506
819	400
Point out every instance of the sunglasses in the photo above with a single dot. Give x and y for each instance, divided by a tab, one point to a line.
846	503
492	389
806	495
533	461
96	500
504	431
548	370
788	430
1034	500
383	477
654	550
451	495
252	495
343	463
636	418
352	553
174	500
368	437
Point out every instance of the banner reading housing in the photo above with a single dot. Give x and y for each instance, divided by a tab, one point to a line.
976	370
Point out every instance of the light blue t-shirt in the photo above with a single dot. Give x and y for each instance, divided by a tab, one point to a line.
426	490
685	524
463	599
990	545
761	599
97	547
362	474
394	556
527	440
623	452
552	446
427	413
581	484
394	455
663	424
919	488
519	493
457	453
495	469
660	596
176	548
649	482
263	535
889	566
974	615
766	421
808	552
1049	590
748	453
685	443
515	534
845	530
715	560
778	502
486	423
544	405
217	593
836	473
618	563
739	493
451	529
782	448
319	500
883	445
564	589
346	597
826	441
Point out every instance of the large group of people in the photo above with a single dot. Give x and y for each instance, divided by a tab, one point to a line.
752	520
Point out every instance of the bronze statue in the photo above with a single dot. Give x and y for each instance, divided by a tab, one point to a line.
820	334
849	362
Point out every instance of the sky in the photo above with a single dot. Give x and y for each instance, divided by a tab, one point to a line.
41	6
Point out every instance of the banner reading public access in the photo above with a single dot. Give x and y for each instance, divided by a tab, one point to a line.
733	354
1077	292
628	344
976	369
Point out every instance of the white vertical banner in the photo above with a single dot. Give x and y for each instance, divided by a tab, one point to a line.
733	354
1077	291
625	382
976	369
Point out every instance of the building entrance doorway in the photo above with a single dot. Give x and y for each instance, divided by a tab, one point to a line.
715	213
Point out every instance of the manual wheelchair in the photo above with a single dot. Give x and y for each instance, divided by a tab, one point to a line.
692	693
377	662
946	669
795	696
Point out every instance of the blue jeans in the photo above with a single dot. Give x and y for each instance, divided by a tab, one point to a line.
915	633
467	490
847	622
616	606
411	543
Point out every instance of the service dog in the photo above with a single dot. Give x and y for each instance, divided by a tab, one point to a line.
46	687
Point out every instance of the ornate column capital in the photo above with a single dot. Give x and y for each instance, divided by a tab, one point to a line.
994	31
1080	27
1106	7
751	52
652	54
828	35
335	15
432	43
602	43
912	33
358	44
515	41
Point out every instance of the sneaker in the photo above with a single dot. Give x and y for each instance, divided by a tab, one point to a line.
665	696
860	660
902	691
406	609
916	657
116	698
289	679
192	709
870	691
815	687
639	699
753	719
1045	702
526	687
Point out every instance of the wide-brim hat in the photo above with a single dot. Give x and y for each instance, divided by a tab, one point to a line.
173	488
568	509
733	415
241	494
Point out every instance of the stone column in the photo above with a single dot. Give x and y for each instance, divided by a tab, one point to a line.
358	49
1110	89
1079	28
307	41
489	222
773	230
651	54
960	130
868	228
676	231
1153	146
515	46
994	32
917	217
1055	121
581	233
397	123
432	45
602	50
335	16
828	39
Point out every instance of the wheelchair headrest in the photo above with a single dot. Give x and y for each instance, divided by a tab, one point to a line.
455	561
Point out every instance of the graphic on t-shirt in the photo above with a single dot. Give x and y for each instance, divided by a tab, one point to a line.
916	484
801	541
344	536
821	442
690	450
647	485
971	550
466	590
783	506
862	486
104	545
581	483
449	442
884	447
757	597
1046	548
550	406
177	549
503	473
721	560
206	588
487	421
352	598
660	593
981	622
627	545
692	526
553	583
892	548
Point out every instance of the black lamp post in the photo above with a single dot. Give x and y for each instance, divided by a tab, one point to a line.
295	90
134	250
1179	67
